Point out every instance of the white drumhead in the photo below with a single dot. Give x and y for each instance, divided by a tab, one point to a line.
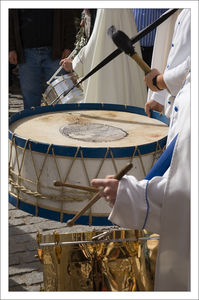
91	128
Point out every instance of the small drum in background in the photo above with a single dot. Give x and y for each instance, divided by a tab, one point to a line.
55	90
74	143
123	260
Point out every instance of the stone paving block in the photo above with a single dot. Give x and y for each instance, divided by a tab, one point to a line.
16	222
14	259
32	245
15	248
25	268
34	278
13	231
11	207
34	220
28	257
22	237
35	288
27	228
17	280
18	213
51	225
18	288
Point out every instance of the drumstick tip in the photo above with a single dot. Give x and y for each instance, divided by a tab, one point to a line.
69	223
57	183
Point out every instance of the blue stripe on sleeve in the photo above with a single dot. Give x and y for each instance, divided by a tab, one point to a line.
159	168
147	204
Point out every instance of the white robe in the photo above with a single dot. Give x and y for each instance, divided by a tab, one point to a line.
121	81
163	203
170	31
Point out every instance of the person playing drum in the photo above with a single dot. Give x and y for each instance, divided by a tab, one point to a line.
162	204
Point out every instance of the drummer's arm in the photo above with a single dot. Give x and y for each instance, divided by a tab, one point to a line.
153	105
136	204
75	64
158	84
159	90
168	83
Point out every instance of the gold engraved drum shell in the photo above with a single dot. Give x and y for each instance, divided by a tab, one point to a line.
122	262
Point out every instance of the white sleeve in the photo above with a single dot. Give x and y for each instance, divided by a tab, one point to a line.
78	63
159	97
138	203
175	77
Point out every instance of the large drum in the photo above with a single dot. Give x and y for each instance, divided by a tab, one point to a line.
56	89
74	143
121	260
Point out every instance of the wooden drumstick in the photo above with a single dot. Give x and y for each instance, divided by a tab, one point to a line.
78	187
124	43
96	197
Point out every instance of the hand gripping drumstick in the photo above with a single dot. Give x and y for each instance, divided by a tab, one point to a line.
118	176
60	68
123	42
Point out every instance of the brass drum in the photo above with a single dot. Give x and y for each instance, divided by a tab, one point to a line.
112	260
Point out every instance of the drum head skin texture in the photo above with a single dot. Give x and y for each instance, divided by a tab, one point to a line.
90	128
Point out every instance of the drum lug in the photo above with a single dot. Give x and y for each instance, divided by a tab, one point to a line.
39	250
39	254
44	100
139	249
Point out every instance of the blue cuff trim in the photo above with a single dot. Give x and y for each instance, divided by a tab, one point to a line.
147	204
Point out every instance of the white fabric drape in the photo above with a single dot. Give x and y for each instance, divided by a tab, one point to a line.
121	81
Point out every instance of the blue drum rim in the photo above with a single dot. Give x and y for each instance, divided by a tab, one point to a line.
87	152
55	215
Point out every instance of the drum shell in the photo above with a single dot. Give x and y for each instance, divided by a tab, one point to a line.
60	85
33	169
122	263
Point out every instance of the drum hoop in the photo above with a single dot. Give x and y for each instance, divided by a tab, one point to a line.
160	145
47	213
87	152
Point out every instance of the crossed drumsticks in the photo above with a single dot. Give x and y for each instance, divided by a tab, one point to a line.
96	197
